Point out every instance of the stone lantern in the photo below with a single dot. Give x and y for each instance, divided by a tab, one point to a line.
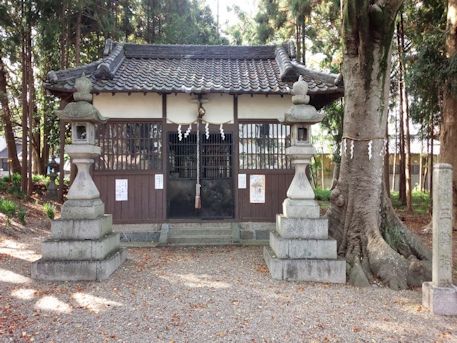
82	245
300	195
300	249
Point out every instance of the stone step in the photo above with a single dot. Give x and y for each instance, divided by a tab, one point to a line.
189	232
302	248
200	225
200	240
312	270
80	249
306	228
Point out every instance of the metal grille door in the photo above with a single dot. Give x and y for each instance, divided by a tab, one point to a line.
216	163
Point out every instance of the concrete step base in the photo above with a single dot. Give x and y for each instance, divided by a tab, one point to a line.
305	228
199	232
200	240
200	225
312	270
440	300
88	249
83	270
82	228
302	248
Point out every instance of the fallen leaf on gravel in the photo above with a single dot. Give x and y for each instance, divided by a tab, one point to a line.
262	268
356	329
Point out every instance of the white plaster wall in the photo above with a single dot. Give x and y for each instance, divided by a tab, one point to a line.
135	105
182	108
263	107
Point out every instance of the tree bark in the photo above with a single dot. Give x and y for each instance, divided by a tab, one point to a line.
448	136
387	163
24	65
31	98
371	237
405	111
303	37
78	38
63	36
6	119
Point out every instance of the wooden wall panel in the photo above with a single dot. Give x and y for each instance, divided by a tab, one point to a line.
145	204
276	184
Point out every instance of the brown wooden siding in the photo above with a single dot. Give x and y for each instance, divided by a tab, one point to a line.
145	203
276	184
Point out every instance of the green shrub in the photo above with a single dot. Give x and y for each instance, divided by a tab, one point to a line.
15	187
322	194
8	208
21	213
40	179
3	186
16	179
50	210
6	179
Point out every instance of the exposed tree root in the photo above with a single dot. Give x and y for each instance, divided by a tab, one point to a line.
378	245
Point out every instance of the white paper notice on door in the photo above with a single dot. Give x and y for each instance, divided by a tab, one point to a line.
122	189
257	189
158	181
242	181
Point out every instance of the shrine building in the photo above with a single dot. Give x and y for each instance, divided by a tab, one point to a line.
189	119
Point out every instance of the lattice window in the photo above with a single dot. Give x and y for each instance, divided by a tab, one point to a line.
130	146
263	145
215	156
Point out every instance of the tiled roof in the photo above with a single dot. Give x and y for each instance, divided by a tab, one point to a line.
196	69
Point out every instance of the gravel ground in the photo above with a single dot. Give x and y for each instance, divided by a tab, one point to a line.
206	294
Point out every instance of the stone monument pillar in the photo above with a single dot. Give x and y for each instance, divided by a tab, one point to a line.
82	245
300	249
440	295
53	170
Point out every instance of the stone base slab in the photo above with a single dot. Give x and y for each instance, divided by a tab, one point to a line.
80	249
86	270
306	228
302	248
330	271
81	229
83	209
301	208
440	300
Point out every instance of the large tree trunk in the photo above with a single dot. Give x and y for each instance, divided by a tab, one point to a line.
404	110
6	119
387	163
31	97
63	35
24	66
448	138
78	38
373	240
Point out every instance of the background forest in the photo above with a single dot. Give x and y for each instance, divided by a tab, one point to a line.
43	35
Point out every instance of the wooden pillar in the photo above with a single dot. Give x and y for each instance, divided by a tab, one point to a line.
164	157
61	159
236	158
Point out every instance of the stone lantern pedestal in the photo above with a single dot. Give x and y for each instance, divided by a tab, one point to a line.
82	245
300	249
